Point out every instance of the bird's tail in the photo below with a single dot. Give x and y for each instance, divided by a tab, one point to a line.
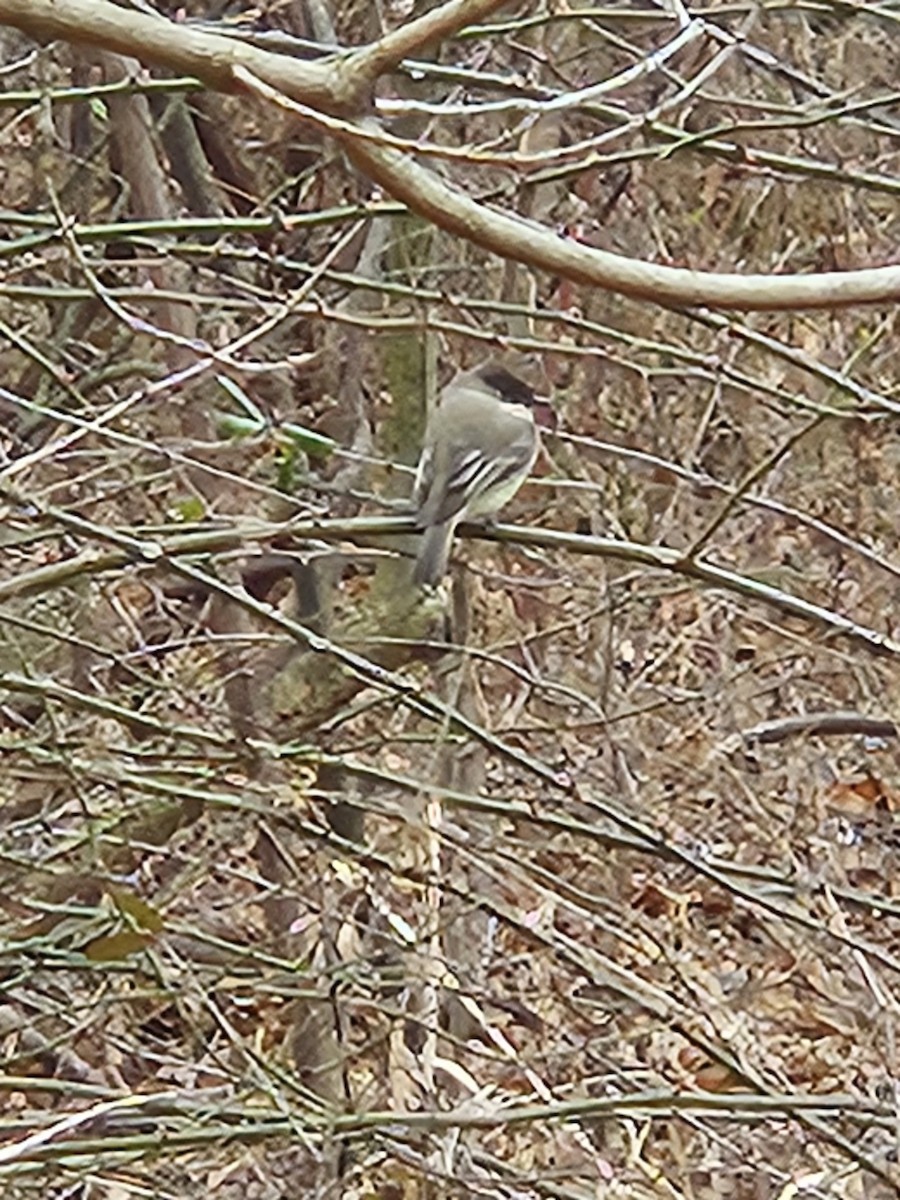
434	554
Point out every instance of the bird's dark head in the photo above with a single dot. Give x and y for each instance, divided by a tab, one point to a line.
513	390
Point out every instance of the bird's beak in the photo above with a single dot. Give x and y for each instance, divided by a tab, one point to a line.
544	416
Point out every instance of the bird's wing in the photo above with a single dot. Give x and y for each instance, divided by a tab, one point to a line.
471	474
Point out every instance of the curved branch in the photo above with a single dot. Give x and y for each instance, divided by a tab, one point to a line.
820	724
512	237
333	87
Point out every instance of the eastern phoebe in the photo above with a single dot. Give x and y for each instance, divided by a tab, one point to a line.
480	444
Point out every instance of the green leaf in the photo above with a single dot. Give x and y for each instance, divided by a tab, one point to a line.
231	425
144	915
115	946
236	392
190	510
314	444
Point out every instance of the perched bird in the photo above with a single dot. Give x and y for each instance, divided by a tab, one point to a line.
480	444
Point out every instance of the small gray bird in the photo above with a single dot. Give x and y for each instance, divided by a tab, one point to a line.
480	444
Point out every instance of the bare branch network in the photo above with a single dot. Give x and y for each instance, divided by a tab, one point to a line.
577	876
336	93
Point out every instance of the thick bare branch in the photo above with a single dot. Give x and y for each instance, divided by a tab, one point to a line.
180	48
511	237
334	88
434	26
